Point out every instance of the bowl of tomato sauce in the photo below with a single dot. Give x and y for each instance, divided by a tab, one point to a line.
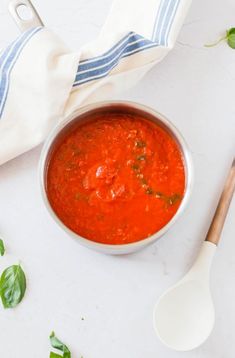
115	176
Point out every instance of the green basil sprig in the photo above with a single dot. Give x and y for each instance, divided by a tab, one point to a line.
12	286
57	344
2	247
229	38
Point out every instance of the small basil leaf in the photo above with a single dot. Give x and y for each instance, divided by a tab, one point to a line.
55	355
12	286
56	343
231	37
2	248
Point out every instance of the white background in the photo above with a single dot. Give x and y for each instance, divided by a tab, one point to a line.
195	88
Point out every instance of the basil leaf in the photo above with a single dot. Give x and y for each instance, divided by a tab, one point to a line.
56	343
12	286
231	37
2	248
54	355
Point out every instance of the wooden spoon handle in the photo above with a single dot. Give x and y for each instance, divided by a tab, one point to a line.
217	224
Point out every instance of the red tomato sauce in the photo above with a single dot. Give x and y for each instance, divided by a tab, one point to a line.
116	178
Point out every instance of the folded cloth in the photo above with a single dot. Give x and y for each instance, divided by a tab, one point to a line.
42	81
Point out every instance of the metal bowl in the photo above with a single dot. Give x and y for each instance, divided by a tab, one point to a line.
127	107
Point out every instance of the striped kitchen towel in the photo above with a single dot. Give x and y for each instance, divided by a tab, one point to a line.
42	81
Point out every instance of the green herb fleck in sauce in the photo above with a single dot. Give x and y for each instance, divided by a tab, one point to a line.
144	181
140	144
135	167
149	191
141	157
174	198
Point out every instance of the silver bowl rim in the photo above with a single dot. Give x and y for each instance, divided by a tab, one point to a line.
129	247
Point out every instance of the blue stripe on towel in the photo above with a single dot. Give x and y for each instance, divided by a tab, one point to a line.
8	59
164	21
103	66
175	8
119	43
100	75
100	66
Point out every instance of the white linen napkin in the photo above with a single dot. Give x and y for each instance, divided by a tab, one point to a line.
42	81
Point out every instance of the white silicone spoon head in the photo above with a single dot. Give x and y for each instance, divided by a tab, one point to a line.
184	315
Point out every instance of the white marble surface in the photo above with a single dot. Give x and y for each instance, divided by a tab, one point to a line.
194	87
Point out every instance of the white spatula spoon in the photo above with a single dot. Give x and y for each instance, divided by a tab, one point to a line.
184	315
